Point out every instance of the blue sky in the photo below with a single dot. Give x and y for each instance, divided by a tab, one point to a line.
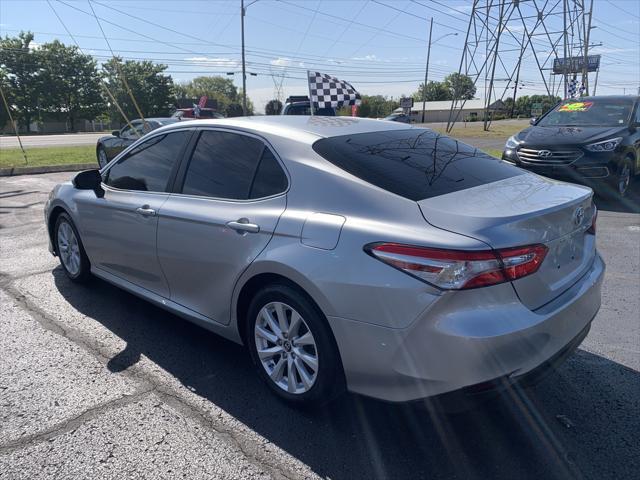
377	45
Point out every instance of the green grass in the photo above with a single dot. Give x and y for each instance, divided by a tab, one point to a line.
498	130
493	152
46	156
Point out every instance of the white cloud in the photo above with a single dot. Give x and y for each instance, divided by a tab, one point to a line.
371	58
214	61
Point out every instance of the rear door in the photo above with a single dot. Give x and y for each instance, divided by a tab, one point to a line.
227	202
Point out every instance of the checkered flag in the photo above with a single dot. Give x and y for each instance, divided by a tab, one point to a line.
326	91
573	87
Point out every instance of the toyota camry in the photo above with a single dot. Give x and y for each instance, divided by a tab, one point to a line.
346	254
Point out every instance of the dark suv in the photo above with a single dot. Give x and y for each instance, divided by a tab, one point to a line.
301	105
592	140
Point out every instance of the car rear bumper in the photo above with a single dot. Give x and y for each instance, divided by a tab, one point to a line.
466	339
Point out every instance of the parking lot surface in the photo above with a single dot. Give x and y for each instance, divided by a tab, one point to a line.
96	383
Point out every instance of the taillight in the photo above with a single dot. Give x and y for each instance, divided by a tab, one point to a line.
460	269
592	228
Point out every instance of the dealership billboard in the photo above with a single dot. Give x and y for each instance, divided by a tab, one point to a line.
576	64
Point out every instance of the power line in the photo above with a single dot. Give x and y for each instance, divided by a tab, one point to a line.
622	9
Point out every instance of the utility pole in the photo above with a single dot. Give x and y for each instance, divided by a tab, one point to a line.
585	67
426	73
244	71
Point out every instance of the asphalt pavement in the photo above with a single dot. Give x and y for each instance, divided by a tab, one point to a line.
57	140
96	383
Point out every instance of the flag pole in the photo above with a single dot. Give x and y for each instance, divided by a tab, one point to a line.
310	99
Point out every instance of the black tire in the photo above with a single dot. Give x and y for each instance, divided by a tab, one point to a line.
329	382
623	178
83	273
101	155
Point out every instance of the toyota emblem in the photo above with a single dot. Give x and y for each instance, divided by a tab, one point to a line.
545	153
578	216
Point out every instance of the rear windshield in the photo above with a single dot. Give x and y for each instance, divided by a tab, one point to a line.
583	113
415	163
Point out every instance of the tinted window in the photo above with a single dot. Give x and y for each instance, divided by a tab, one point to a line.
148	166
415	164
270	179
223	165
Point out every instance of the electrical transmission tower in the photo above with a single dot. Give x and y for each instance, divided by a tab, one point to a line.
277	75
506	39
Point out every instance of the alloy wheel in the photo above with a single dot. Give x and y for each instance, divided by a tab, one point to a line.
286	348
624	178
102	157
68	248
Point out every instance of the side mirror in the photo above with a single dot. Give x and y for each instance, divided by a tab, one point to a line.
533	121
116	133
89	180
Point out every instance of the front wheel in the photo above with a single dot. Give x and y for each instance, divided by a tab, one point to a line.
102	157
623	178
73	258
292	347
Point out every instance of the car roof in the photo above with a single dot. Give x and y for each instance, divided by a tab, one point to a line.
297	127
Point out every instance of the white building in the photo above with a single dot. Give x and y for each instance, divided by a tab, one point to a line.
439	111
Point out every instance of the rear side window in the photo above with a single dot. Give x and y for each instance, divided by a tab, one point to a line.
415	164
149	165
270	179
233	166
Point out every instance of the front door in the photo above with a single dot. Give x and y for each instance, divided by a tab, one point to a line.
222	216
119	230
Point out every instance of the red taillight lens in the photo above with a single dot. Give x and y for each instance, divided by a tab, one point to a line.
592	228
460	269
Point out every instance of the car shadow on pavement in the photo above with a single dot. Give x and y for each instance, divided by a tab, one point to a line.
581	422
629	204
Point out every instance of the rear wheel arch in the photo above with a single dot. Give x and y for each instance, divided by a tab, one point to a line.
261	280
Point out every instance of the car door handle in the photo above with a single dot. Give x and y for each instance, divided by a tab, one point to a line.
242	225
146	211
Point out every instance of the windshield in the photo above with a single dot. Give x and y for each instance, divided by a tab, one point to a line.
583	113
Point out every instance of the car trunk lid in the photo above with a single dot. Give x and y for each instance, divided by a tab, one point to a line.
524	210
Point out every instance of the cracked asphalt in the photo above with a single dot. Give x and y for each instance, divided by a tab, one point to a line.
96	383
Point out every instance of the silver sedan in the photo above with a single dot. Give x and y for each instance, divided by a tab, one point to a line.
345	253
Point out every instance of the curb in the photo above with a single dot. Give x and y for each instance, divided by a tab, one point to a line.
11	171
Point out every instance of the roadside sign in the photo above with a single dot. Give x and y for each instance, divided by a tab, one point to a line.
406	102
536	109
575	64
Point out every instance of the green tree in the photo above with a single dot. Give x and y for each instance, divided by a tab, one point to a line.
460	86
71	81
21	68
152	89
4	115
435	91
376	106
273	107
216	88
234	110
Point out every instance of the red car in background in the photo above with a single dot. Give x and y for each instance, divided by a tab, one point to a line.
205	108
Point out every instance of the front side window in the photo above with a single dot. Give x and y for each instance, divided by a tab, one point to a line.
415	163
149	165
232	166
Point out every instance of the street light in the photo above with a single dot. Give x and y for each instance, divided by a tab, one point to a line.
426	72
244	72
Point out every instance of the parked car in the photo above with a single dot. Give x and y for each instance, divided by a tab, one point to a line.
196	113
398	117
111	145
592	140
301	105
391	261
